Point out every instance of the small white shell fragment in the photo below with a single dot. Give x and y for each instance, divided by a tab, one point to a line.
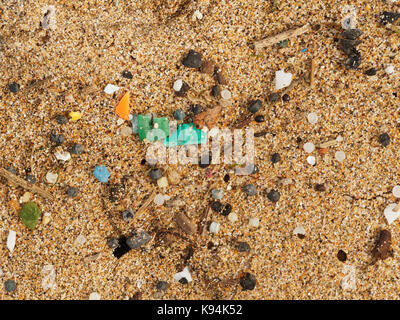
282	79
312	118
183	274
130	117
214	227
232	217
390	214
80	240
178	85
159	199
162	182
197	15
299	230
340	156
49	18
51	177
63	156
389	69
309	147
126	131
311	160
94	296
396	191
349	21
110	89
120	121
339	138
254	222
49	277
348	282
226	94
12	236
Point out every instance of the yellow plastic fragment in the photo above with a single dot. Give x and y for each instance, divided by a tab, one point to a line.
75	115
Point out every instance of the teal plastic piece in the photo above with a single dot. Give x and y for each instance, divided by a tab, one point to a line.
185	134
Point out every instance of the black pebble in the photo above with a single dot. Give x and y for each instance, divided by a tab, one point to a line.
274	97
122	248
216	206
227	209
348	45
72	192
371	72
286	97
162	285
58	139
243	247
143	162
255	105
127	74
116	192
259	118
77	148
183	281
248	281
185	88
192	59
275	158
196	109
273	195
351	34
354	60
61	119
13	87
155	174
30	178
342	256
215	91
384	139
226	178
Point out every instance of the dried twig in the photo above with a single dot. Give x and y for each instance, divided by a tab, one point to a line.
312	73
143	208
293	84
327	144
25	184
281	36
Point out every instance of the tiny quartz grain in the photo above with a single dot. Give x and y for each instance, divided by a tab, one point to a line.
309	147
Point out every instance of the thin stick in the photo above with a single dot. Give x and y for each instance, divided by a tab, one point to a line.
312	77
281	36
328	144
25	184
293	84
143	208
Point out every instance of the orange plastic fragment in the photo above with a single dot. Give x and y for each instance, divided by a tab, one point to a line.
122	108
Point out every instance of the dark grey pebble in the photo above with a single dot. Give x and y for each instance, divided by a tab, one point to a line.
30	178
13	87
127	215
138	239
58	139
162	285
273	195
351	34
10	285
255	105
250	189
179	114
248	281
61	119
192	59
77	148
72	192
113	243
384	139
243	247
155	174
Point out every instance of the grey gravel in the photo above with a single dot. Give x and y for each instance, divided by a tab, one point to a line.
250	189
138	239
10	285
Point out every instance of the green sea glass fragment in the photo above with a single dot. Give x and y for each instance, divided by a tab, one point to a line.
30	214
185	134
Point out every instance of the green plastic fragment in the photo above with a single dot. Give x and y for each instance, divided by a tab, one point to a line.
152	129
30	214
185	134
144	125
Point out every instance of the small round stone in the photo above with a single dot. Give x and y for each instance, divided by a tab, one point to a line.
159	199
273	195
179	114
233	217
126	131
72	192
339	138
226	210
309	147
259	118
155	174
216	206
396	191
162	285
61	119
340	156
248	281
275	158
226	94
13	87
127	74
77	148
51	177
113	243
274	97
286	97
127	215
226	177
192	59
370	72
312	118
217	194
58	139
254	222
30	178
10	285
178	85
389	69
384	139
197	109
214	227
243	247
162	182
311	160
250	189
342	256
255	106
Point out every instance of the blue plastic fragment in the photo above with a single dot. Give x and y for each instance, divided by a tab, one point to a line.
304	50
101	173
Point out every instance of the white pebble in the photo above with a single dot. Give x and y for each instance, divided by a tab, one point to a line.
349	21
348	282
178	85
254	222
232	217
110	89
80	240
312	118
311	160
183	274
63	156
12	236
340	156
282	79
396	191
162	182
299	230
94	296
197	15
309	147
214	227
390	214
159	199
49	277
339	138
389	69
226	94
51	177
